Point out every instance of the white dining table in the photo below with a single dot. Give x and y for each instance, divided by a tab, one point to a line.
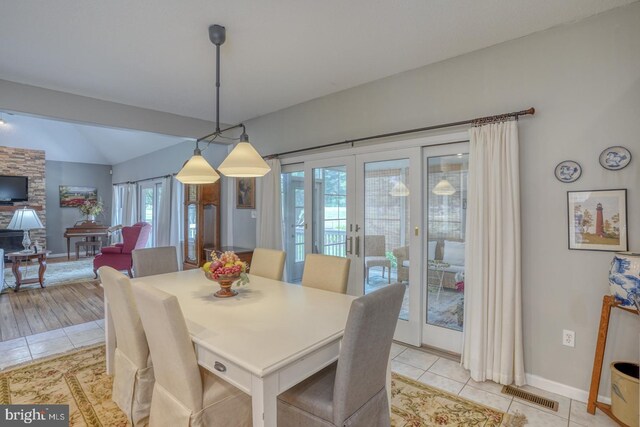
269	337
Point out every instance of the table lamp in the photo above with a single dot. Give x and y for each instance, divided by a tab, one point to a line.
25	219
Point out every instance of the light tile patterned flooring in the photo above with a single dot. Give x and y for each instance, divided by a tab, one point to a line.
417	364
448	375
32	347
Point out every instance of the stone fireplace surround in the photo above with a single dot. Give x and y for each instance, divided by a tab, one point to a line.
23	162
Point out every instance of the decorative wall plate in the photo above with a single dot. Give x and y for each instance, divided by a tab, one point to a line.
568	171
615	158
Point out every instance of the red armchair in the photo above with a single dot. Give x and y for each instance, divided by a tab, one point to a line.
119	256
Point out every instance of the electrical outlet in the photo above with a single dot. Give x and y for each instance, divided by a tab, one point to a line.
568	338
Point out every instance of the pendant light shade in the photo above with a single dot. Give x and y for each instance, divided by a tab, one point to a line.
399	190
444	188
244	161
197	171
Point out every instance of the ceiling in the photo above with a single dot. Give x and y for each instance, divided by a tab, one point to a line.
80	143
156	53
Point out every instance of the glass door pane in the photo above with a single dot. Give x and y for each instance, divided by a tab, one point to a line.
292	188
445	184
386	226
329	211
388	220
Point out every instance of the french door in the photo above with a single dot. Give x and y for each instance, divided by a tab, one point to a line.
329	215
399	216
444	215
388	191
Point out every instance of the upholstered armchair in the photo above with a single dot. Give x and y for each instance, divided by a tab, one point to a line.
402	260
119	256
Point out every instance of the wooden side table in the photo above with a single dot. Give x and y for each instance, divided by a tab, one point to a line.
608	302
16	259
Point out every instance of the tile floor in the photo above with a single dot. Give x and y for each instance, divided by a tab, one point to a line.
448	375
420	365
25	349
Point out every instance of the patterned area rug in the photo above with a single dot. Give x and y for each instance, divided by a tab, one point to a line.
58	273
414	404
77	379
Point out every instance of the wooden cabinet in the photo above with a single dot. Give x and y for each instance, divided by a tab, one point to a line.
201	222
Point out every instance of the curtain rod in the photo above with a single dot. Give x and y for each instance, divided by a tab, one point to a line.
476	121
145	179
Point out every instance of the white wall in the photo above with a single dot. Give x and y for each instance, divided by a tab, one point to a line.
584	81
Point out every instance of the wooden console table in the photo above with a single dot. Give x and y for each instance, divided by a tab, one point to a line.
17	257
608	302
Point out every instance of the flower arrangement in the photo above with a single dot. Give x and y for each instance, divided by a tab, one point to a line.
91	207
226	267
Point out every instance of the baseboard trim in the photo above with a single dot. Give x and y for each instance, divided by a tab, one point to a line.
562	389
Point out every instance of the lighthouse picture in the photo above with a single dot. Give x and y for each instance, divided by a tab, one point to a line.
598	220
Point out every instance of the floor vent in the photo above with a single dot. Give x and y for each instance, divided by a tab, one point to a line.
530	397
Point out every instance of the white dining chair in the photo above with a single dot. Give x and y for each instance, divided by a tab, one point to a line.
267	263
134	377
184	394
329	273
151	261
351	391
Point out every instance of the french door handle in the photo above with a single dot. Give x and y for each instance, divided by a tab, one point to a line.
358	246
350	245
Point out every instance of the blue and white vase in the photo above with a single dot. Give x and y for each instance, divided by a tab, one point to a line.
624	278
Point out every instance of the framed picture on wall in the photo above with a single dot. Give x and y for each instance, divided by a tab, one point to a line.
598	220
245	193
72	196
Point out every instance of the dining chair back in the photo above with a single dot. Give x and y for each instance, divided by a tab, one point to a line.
184	394
361	375
134	376
351	391
267	263
329	273
151	261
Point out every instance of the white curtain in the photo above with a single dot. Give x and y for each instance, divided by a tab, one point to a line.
163	233
177	215
493	347
269	226
116	205
129	204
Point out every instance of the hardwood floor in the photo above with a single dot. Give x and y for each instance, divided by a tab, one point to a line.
33	311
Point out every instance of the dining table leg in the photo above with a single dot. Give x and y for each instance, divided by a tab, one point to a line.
264	400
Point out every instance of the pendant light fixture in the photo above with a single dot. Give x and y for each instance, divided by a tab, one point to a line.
399	190
444	188
243	161
197	170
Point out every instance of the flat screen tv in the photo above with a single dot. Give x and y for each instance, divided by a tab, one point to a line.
14	189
